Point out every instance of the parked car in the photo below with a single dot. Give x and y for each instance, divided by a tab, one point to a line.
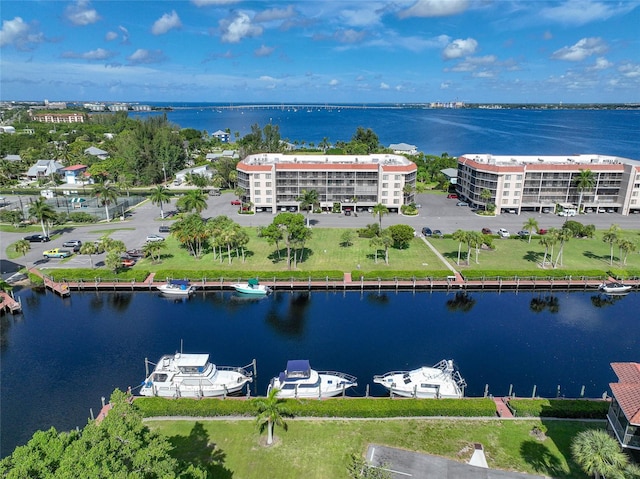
542	231
57	253
426	231
437	234
462	203
128	262
523	233
503	233
347	212
135	253
452	196
71	243
164	229
236	202
486	231
546	210
153	238
37	238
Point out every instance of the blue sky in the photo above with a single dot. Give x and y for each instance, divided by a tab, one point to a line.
404	51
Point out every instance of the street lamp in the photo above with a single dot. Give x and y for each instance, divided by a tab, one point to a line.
165	173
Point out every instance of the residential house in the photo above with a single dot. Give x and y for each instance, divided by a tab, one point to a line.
223	136
7	129
75	174
624	412
44	169
97	152
222	154
12	158
196	170
403	149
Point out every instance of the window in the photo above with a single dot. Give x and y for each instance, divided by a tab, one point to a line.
396	185
256	184
269	192
396	193
507	177
267	176
385	177
385	185
396	202
256	192
384	192
518	185
505	201
519	177
506	193
507	185
268	184
398	177
517	193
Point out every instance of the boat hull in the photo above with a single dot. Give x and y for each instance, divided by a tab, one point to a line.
439	381
175	291
260	290
327	385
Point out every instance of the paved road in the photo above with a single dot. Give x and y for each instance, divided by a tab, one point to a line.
437	212
403	464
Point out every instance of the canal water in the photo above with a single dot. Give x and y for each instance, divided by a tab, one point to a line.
62	355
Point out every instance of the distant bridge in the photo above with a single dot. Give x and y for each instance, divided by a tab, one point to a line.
299	107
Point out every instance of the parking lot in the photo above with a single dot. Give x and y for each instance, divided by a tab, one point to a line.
437	212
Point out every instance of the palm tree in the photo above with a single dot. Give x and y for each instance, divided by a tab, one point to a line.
611	236
106	193
22	247
564	235
461	237
159	196
387	241
40	210
486	196
307	200
584	181
271	412
598	454
380	210
89	248
531	225
546	242
194	200
626	246
153	248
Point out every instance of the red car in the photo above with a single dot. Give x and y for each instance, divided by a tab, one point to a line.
236	202
452	196
128	262
542	231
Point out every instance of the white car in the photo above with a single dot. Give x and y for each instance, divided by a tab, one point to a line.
153	238
503	233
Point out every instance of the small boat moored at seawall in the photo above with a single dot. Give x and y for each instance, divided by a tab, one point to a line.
252	286
192	375
300	381
615	288
439	381
177	287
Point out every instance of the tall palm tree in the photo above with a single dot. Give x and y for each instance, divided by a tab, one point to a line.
89	248
153	249
380	210
546	242
598	454
194	200
564	235
531	225
486	196
22	247
40	210
626	246
159	196
461	237
584	181
106	194
611	236
271	412
307	200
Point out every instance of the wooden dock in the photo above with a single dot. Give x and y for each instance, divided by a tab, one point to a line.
8	303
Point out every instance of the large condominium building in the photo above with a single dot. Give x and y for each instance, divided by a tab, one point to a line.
275	182
533	183
72	117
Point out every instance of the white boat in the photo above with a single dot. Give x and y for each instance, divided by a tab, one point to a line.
178	287
252	286
439	381
193	375
300	381
615	288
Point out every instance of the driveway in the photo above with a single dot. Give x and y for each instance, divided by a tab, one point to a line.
412	465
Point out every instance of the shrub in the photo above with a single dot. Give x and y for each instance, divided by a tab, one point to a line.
369	231
82	217
560	408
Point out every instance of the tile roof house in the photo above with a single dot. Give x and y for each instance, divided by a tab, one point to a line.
97	152
75	174
223	136
624	412
44	168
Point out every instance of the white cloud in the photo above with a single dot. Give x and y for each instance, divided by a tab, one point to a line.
274	14
444	85
18	33
143	56
166	22
630	70
81	13
334	82
267	78
125	34
435	8
601	64
362	17
384	86
349	36
98	54
263	51
581	50
110	36
460	48
580	12
206	3
238	28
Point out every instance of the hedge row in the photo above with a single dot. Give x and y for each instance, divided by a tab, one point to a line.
538	274
337	407
91	275
560	408
265	276
408	275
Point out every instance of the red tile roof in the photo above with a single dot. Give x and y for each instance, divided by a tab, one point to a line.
627	390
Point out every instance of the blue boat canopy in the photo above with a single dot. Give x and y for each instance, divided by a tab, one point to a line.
253	282
296	369
179	282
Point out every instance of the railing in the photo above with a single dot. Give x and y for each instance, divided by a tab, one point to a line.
345	376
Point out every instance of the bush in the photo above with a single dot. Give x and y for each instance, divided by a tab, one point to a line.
337	407
560	408
265	276
82	217
90	275
369	231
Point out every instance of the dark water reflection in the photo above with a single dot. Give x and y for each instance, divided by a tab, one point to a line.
62	355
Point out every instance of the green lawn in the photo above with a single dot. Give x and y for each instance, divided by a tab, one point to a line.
515	254
321	448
